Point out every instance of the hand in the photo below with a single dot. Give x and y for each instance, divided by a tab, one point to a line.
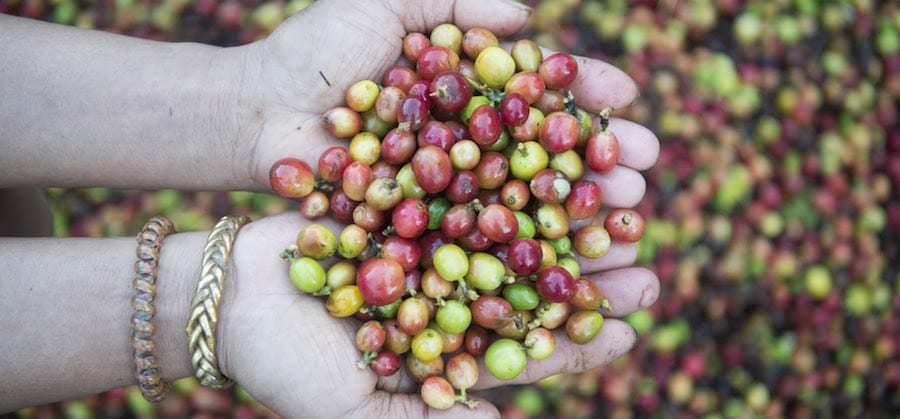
295	358
303	69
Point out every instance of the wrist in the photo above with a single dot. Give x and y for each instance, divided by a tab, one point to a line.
179	271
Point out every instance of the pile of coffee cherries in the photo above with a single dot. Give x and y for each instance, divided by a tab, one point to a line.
461	174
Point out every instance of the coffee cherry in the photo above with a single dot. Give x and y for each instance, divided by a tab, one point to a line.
521	296
527	84
413	45
369	218
436	133
552	101
601	152
528	130
438	393
505	359
515	194
552	315
408	184
539	343
514	109
404	251
410	218
492	170
453	317
291	178
387	104
524	256
315	205
584	200
458	221
498	223
435	60
386	363
420	371
555	284
494	66
477	340
345	301
552	220
370	336
476	40
380	281
449	91
559	133
426	345
412	115
527	55
356	179
395	339
352	241
463	187
583	326
527	160
591	241
491	312
432	168
485	125
342	122
586	295
464	155
398	146
332	163
316	241
383	194
341	205
307	274
568	163
486	272
399	76
626	225
447	35
412	316
360	96
451	262
551	186
558	70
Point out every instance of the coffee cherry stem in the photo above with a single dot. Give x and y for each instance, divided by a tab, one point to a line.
605	305
367	359
494	96
466	293
464	399
290	253
604	118
324	185
569	101
322	292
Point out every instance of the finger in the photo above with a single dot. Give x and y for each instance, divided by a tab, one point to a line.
382	404
621	187
619	255
503	17
638	146
601	85
628	289
615	338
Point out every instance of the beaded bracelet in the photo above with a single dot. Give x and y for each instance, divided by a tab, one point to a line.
150	382
203	317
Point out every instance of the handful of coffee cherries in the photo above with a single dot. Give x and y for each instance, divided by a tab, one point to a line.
461	175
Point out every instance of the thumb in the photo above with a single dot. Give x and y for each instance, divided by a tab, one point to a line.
502	17
382	404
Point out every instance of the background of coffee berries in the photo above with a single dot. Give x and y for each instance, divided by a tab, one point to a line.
773	213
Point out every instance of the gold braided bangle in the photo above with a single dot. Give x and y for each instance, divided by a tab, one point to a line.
203	318
146	365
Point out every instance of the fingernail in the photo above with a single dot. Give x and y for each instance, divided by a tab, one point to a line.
520	6
648	297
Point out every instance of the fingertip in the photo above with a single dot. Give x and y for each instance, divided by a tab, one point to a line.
638	146
502	17
622	187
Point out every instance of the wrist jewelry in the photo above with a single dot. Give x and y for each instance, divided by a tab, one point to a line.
146	364
203	318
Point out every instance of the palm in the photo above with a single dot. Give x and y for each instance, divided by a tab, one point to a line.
308	342
300	81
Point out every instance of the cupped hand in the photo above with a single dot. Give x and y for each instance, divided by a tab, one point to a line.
295	358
